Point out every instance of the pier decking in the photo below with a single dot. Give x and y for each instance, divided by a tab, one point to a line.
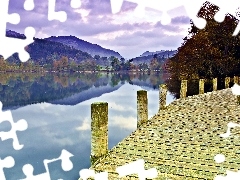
182	140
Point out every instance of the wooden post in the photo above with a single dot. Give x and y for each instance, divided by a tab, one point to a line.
99	130
235	79
162	96
227	81
183	91
214	84
142	107
201	86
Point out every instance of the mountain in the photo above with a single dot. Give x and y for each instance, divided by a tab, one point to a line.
84	46
45	52
147	53
147	56
14	34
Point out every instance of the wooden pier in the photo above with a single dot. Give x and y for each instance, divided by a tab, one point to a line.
182	139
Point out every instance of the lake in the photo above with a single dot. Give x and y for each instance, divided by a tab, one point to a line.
57	108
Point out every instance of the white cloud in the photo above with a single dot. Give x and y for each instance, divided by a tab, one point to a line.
124	122
85	125
84	14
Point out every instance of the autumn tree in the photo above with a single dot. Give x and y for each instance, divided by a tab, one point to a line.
210	52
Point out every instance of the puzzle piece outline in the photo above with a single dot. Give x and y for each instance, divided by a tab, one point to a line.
135	167
20	125
66	164
15	45
191	9
7	162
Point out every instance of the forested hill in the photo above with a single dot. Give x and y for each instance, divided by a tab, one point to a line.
84	46
147	56
45	52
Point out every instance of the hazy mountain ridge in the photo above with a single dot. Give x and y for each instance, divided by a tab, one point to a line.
13	34
147	56
92	49
53	48
45	52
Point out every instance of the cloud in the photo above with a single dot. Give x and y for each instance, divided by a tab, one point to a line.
94	22
124	122
85	125
181	20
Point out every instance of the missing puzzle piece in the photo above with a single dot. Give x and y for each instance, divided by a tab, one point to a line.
7	162
20	125
66	166
164	7
9	46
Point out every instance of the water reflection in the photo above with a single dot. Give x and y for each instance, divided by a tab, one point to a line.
59	118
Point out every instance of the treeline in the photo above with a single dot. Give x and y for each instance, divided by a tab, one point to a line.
210	52
65	64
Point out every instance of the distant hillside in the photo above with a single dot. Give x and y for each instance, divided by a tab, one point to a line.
152	53
14	34
84	46
147	56
45	52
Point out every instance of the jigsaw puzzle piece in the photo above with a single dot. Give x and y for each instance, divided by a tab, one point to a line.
66	166
159	5
65	158
87	173
164	7
7	162
225	7
13	45
5	17
192	10
116	6
28	171
20	125
52	14
230	7
29	5
76	3
137	167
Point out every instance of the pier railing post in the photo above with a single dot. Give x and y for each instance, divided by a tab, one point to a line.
142	107
162	96
227	81
183	91
214	84
201	86
99	130
235	79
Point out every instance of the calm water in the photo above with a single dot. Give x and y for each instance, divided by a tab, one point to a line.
57	110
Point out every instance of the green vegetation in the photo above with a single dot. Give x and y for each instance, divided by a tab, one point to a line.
65	64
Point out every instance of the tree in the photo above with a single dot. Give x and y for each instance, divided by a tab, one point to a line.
210	52
115	63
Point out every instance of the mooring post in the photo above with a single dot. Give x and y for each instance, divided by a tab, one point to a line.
227	81
214	84
142	107
183	90
99	130
162	96
235	79
201	86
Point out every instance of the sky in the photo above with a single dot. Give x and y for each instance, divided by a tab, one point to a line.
94	22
